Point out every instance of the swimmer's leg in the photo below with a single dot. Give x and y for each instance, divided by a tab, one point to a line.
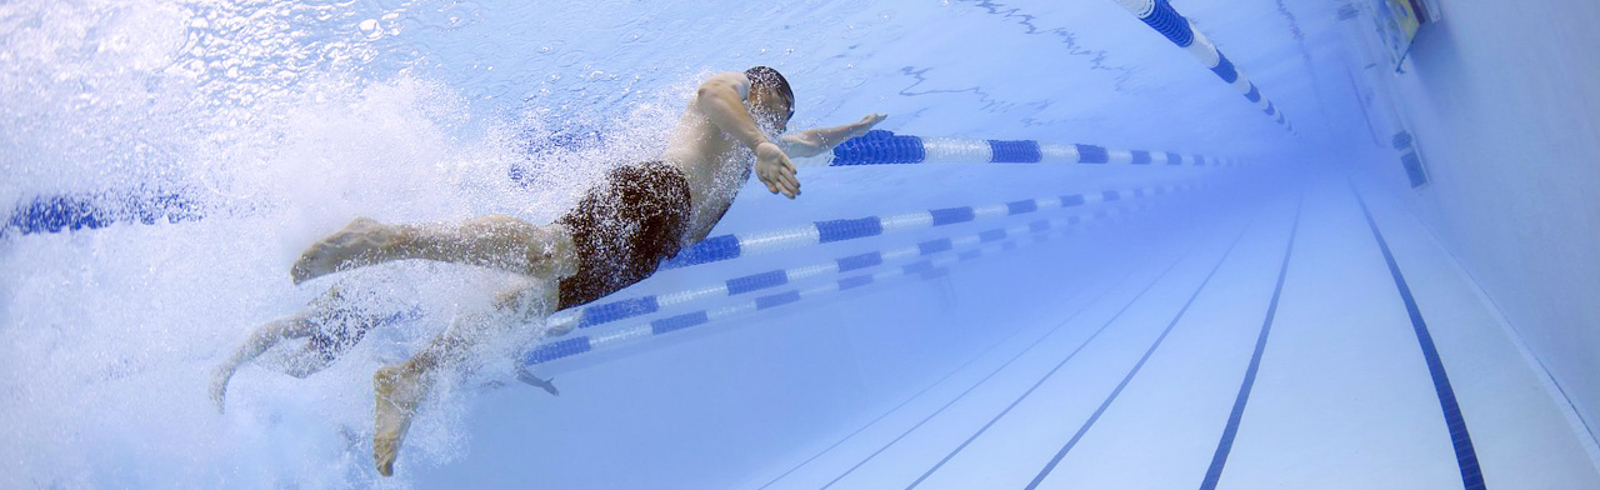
497	241
399	389
305	323
266	336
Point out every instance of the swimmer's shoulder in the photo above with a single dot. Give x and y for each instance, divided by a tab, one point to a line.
728	79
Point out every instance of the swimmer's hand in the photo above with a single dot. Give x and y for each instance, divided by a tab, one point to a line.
865	124
775	170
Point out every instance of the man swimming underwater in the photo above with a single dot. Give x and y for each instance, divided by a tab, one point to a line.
616	236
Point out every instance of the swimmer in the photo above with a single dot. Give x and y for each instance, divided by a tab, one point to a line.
616	236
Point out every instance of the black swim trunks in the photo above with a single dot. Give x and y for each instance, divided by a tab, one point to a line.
623	229
338	329
342	316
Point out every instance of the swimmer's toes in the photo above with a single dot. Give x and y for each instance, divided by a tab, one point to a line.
397	394
361	237
219	389
384	456
315	263
301	271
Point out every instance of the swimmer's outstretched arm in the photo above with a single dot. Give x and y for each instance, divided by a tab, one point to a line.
813	142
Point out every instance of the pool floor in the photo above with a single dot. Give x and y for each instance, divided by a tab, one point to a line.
1343	397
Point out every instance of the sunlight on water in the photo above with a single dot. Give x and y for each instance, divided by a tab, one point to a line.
282	120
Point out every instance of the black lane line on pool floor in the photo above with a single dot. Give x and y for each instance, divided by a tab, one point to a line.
946	377
1466	456
1048	375
1048	467
1225	445
1019	355
1571	407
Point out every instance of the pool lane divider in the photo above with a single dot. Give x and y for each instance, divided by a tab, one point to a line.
1087	424
612	311
879	147
1219	459
732	246
79	211
927	268
550	351
70	212
1460	439
1159	15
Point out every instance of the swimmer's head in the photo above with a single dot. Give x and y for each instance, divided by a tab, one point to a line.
771	99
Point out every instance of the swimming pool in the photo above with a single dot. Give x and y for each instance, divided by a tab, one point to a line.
1076	256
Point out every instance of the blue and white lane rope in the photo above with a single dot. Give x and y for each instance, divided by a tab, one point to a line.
1159	15
879	147
622	309
560	349
73	212
928	268
728	247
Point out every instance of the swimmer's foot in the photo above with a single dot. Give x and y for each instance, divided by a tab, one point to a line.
219	386
548	385
363	242
398	390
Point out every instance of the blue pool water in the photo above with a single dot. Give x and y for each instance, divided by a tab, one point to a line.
1085	260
